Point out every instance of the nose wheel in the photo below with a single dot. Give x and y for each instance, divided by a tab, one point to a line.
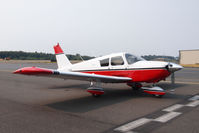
155	91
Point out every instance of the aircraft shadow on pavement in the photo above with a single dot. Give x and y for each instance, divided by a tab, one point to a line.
169	86
78	86
111	96
170	90
88	103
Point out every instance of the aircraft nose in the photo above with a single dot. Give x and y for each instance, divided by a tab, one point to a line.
174	67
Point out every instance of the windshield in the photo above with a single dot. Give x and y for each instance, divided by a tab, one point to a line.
132	59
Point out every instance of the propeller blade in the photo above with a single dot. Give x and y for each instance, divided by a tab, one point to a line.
172	90
173	78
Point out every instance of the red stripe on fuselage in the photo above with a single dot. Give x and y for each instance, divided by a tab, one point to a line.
144	75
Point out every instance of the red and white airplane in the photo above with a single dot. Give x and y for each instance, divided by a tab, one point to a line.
113	68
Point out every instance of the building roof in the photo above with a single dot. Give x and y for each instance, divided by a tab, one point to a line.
190	50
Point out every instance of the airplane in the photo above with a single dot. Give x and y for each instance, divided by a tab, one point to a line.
113	68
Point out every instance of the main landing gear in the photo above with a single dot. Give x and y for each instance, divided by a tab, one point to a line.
154	90
95	89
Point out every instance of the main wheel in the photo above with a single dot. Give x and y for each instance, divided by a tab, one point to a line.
158	96
96	95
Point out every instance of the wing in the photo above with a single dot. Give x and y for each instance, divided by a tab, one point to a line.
71	75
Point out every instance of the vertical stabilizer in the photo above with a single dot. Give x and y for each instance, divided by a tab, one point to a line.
62	61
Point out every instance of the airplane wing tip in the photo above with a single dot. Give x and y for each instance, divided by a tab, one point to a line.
33	71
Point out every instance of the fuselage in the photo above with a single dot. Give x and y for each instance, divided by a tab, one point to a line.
127	65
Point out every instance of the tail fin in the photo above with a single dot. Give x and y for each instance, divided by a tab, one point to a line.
62	61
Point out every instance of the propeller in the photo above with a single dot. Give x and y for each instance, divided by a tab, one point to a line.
172	82
170	68
172	78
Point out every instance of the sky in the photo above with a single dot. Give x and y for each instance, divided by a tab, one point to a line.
99	27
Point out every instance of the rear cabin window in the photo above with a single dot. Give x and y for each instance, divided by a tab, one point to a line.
118	60
104	62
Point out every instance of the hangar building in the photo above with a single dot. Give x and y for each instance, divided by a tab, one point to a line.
189	56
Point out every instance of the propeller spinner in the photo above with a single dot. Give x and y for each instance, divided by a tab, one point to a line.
172	67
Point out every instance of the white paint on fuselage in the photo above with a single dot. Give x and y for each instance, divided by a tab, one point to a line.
94	64
149	64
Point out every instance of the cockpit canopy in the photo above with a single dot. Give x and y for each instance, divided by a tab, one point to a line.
132	59
120	59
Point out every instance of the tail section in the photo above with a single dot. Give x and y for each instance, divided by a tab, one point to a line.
62	61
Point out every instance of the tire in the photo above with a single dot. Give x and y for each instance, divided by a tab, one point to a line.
158	96
96	95
136	86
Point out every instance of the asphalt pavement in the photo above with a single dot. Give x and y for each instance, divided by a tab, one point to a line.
30	104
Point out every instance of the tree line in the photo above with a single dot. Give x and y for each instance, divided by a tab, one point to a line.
160	57
20	55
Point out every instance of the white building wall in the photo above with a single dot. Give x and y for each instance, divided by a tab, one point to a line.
189	56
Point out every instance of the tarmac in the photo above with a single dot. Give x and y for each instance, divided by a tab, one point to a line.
30	104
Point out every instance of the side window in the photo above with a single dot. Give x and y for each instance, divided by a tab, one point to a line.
117	61
131	59
104	62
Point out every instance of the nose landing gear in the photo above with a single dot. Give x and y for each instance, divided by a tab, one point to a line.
155	90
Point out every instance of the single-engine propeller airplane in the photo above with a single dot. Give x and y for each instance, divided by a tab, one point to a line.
113	68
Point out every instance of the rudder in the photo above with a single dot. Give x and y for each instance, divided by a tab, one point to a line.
62	61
